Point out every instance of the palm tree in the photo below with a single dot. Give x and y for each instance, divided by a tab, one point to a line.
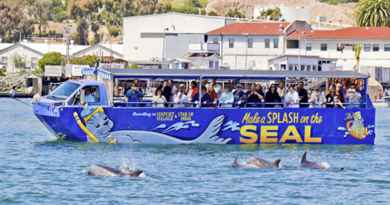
373	13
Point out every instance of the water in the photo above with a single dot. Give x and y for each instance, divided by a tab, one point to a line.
35	169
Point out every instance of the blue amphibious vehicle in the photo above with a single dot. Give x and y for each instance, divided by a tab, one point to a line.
112	120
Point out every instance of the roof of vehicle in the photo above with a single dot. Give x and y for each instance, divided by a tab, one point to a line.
226	74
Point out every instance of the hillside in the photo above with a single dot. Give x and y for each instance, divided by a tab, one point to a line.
335	14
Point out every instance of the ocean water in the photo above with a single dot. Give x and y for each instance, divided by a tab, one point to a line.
37	169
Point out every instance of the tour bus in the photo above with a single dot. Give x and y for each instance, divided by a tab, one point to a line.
111	117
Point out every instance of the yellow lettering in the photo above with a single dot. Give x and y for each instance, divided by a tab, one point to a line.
248	134
309	138
269	134
291	133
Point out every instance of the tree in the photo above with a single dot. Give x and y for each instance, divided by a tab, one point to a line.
235	12
90	60
373	13
212	13
14	22
51	58
39	11
273	14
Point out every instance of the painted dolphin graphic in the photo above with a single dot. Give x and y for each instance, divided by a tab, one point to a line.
256	162
313	165
101	170
209	135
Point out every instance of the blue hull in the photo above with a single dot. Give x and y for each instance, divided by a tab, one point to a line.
211	125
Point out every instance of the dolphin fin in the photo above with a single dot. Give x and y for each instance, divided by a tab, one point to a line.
276	163
236	164
304	158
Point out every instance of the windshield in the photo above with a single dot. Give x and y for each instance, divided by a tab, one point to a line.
64	90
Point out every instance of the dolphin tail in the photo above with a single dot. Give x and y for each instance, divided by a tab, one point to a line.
276	163
304	158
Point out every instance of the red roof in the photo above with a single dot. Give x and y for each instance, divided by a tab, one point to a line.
258	29
375	33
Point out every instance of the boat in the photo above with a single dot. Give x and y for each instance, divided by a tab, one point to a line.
111	121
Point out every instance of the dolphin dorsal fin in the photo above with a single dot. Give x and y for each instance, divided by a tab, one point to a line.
277	163
304	158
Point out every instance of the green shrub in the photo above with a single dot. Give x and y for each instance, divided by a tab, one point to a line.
51	58
90	60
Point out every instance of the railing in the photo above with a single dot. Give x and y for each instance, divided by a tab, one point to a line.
236	105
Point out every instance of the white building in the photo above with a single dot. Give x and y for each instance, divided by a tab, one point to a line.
25	55
165	36
251	45
302	63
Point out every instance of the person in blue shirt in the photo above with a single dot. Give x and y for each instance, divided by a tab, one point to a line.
90	96
134	96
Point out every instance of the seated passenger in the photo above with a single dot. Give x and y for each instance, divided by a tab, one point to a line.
291	97
90	96
329	98
227	97
272	98
194	93
317	99
167	90
158	99
206	100
212	93
303	96
239	96
353	97
181	98
337	101
254	98
134	96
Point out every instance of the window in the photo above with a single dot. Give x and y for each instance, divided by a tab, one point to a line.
387	47
302	67
267	43
250	42
375	47
367	47
292	44
308	67
324	47
211	64
283	67
215	40
276	42
231	43
290	67
4	60
308	47
64	90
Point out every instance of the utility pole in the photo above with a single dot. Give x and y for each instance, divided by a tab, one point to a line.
67	30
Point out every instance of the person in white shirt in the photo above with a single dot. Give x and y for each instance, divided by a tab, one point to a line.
227	98
317	99
181	99
291	97
158	99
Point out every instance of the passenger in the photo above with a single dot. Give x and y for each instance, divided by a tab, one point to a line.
206	100
291	98
194	95
254	98
159	99
90	96
167	91
212	93
282	90
337	101
12	92
340	92
317	99
217	87
272	98
329	98
239	96
354	97
134	96
303	96
259	89
227	97
181	98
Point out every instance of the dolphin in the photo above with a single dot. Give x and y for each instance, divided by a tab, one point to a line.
313	165
256	162
101	170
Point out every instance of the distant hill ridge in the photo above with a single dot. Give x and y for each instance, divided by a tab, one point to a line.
342	13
